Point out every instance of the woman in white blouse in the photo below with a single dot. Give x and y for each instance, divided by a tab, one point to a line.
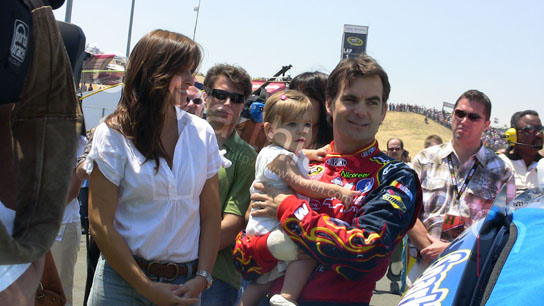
154	203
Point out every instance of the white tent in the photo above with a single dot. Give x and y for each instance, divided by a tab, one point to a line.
99	104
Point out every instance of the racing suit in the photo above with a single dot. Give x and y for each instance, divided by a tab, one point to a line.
352	246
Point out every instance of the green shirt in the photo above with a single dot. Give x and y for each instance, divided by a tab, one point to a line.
234	183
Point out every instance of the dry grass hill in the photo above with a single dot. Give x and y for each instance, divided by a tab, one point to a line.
411	128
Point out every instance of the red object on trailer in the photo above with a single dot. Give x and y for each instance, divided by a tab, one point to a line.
270	88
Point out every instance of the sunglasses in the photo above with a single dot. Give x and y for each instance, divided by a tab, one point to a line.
460	114
394	149
532	129
223	95
195	100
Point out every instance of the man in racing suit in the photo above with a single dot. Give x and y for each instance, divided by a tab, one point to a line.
351	245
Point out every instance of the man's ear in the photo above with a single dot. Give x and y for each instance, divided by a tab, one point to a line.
384	112
329	105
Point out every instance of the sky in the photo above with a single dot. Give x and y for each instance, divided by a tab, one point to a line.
433	51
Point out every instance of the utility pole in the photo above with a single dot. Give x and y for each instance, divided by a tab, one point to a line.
130	27
68	15
197	9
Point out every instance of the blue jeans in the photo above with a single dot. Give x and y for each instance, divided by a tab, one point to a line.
109	288
219	294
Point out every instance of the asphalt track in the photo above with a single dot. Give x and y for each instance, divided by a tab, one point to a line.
381	297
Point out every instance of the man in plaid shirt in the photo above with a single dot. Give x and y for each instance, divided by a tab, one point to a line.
459	179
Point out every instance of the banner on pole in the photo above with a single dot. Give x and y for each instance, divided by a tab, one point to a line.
354	40
447	104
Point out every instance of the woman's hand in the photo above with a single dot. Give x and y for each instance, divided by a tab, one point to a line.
194	286
168	294
266	205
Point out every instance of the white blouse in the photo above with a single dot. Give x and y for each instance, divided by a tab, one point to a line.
158	213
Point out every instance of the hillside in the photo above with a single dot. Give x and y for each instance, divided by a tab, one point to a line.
411	128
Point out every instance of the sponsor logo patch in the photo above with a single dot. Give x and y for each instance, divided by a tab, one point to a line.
315	204
336	162
337	181
368	152
390	167
365	185
403	189
19	43
350	175
315	170
301	212
379	160
395	201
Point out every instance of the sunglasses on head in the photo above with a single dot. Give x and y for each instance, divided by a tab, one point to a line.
195	100
472	116
223	95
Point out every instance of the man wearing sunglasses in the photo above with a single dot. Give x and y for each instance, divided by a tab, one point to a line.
395	148
227	87
524	157
460	180
195	99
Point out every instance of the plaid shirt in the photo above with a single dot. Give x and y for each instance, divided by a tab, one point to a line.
432	167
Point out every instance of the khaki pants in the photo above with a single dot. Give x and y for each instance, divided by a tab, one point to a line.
65	255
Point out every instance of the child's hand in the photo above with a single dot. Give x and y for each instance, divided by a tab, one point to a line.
347	196
316	155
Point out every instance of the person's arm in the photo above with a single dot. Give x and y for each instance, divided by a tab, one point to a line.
431	252
81	172
231	225
251	255
237	199
350	249
286	168
210	222
418	235
316	154
75	185
23	290
360	246
102	206
429	247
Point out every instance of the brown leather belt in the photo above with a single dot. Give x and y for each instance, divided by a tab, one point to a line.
170	271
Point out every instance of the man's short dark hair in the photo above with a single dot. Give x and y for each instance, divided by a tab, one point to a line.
479	97
237	75
351	68
516	117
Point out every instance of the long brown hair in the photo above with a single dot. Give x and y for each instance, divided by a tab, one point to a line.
313	85
155	59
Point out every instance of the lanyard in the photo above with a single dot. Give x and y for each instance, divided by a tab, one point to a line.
458	192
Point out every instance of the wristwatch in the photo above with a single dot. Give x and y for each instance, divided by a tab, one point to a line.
206	275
